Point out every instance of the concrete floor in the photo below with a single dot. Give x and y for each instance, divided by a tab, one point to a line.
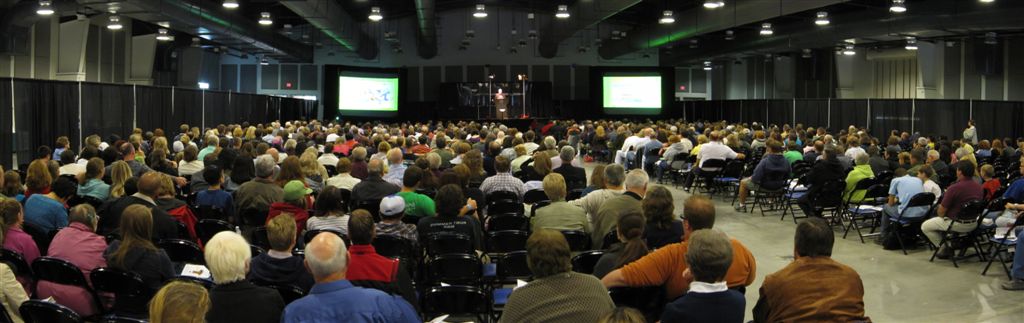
897	287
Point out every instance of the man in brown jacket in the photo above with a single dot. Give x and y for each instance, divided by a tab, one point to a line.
813	288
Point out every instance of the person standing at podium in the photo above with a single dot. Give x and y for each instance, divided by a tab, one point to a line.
501	103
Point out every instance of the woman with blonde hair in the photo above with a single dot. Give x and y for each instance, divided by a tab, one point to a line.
38	179
160	143
312	170
179	302
120	172
382	152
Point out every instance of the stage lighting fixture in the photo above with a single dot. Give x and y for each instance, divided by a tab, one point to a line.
204	86
911	43
481	11
822	19
265	19
898	6
806	53
162	34
849	50
766	29
707	65
45	8
230	4
730	35
667	17
713	4
563	12
115	22
375	14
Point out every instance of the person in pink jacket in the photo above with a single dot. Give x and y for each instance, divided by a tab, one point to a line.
79	244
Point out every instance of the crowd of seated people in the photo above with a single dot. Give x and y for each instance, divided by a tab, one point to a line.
320	206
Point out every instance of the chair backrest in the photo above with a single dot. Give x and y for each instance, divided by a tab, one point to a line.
448	242
112	280
346	196
534	196
998	204
535	206
20	266
310	234
504	206
877	191
207	228
253	217
210	212
182	251
972	210
289	293
506	241
715	164
40	237
45	312
648	300
455	269
455	300
774	180
574	194
502	195
578	240
733	168
256	250
58	271
512	265
831	194
392	246
585	261
503	222
373	206
259	238
920	200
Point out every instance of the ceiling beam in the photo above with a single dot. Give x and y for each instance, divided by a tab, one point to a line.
938	15
426	29
584	15
336	23
698	21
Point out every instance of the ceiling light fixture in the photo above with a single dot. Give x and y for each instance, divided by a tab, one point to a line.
714	4
264	61
987	1
375	14
822	19
730	35
849	50
45	9
667	17
115	22
563	12
990	38
230	4
707	65
481	11
265	19
766	29
162	34
911	43
806	53
898	6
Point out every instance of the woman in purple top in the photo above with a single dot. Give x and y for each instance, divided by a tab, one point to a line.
79	244
13	238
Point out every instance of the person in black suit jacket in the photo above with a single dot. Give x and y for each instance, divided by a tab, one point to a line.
575	177
825	170
235	299
164	226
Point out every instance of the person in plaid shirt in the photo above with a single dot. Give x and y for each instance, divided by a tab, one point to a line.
503	179
392	209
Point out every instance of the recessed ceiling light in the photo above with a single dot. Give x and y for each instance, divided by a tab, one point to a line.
667	17
730	35
481	11
822	19
162	34
45	8
230	4
114	22
563	12
375	14
265	19
898	6
707	65
849	50
714	4
911	43
766	29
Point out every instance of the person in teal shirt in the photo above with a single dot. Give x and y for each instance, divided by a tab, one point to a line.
92	183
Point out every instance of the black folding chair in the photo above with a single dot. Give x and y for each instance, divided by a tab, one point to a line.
709	170
21	267
535	206
372	206
207	228
534	196
447	242
123	284
289	293
253	217
729	178
998	246
457	301
499	242
41	311
393	247
578	240
40	237
455	269
182	251
574	194
259	238
648	300
508	221
901	224
60	271
958	241
868	209
510	268
585	261
310	234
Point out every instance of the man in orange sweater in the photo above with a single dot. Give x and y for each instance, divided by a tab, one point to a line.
665	266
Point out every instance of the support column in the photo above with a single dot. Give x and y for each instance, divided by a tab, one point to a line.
143	52
71	50
930	58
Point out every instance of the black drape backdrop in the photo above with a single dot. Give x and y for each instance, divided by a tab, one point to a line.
45	110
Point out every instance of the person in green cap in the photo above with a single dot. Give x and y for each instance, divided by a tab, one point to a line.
295	197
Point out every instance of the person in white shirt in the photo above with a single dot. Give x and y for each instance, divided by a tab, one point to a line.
327	158
714	149
528	142
925	173
853	148
343	180
69	165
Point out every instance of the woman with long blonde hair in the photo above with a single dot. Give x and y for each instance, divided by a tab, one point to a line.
120	172
180	302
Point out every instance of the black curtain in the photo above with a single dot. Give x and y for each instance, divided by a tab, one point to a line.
188	107
995	118
849	112
154	109
6	137
780	112
107	109
216	108
942	117
889	115
45	110
811	113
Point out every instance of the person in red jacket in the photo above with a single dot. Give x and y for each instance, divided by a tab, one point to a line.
295	197
368	269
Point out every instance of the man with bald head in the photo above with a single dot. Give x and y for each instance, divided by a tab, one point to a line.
334	298
374	187
164	227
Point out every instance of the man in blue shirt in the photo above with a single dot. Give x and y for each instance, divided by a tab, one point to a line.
1016	189
901	190
334	299
214	196
47	212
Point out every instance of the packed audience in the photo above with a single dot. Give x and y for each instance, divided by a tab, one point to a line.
310	221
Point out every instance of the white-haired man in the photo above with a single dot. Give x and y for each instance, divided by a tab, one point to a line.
334	298
235	299
396	169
